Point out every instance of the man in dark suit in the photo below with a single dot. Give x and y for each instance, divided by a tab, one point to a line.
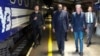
65	8
60	25
78	25
0	26
37	22
91	23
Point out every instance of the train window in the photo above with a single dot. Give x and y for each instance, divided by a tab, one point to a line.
20	2
13	1
26	3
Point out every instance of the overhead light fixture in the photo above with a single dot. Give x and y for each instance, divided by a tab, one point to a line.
45	7
51	7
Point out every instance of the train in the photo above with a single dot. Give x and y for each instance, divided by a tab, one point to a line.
14	16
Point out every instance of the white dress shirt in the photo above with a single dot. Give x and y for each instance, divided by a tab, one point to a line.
90	17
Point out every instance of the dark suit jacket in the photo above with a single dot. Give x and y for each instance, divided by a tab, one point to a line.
39	21
60	21
0	26
78	21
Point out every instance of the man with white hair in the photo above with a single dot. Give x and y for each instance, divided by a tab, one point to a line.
78	25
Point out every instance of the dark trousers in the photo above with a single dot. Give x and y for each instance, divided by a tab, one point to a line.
60	37
66	36
37	31
0	30
89	33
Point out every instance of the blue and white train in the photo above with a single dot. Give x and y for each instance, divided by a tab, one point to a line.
14	16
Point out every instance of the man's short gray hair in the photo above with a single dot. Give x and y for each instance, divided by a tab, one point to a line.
78	5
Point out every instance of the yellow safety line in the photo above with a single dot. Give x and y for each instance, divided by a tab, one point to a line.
50	42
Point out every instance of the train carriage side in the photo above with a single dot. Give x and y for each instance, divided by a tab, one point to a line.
14	21
14	16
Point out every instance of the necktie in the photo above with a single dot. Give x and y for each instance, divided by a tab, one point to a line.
89	18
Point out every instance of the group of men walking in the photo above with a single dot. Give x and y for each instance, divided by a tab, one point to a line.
80	22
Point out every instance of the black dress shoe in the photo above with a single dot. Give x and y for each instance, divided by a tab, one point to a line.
81	53
34	46
76	50
59	50
66	39
38	43
62	52
88	45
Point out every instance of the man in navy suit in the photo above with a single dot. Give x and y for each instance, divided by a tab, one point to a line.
60	25
0	26
65	8
78	25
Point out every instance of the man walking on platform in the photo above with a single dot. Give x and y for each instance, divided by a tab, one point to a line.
60	26
37	22
78	25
